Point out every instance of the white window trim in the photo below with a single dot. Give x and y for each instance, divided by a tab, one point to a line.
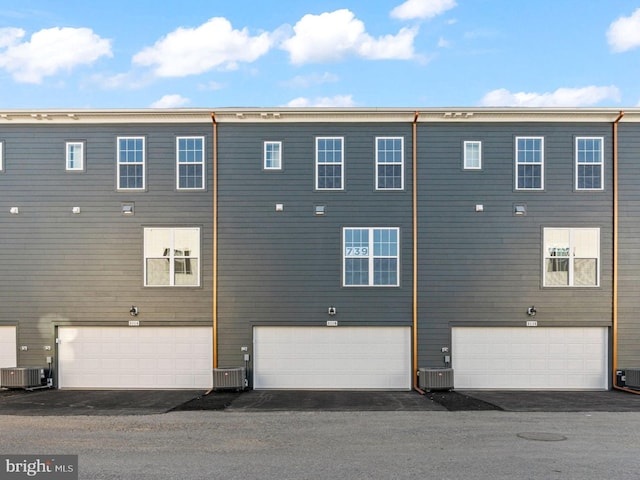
144	163
601	163
172	257
67	152
264	164
317	164
371	257
401	163
541	163
465	164
202	162
1	156
571	258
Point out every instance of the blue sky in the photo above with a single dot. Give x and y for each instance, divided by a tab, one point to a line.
305	53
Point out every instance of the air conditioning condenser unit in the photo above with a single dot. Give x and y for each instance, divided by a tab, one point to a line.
438	378
229	378
21	377
632	377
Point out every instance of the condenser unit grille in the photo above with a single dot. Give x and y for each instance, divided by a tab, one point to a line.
229	378
21	377
632	377
436	378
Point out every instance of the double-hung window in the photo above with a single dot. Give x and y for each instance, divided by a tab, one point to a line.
529	163
389	163
589	163
190	163
329	163
74	156
571	257
472	155
371	257
131	163
272	155
171	257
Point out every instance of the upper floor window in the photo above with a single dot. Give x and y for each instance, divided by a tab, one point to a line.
190	163
371	257
571	257
472	155
171	257
389	163
529	163
273	155
329	163
589	163
131	163
74	156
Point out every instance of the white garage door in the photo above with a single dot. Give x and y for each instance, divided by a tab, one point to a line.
530	358
135	357
8	347
332	358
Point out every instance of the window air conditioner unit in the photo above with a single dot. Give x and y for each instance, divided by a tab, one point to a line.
632	377
21	377
229	378
438	378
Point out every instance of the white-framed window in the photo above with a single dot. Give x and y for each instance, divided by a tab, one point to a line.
74	155
272	155
589	163
371	257
190	163
1	156
472	155
329	163
571	257
529	163
389	163
171	257
131	163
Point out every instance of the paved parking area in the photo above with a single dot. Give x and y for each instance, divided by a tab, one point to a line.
149	402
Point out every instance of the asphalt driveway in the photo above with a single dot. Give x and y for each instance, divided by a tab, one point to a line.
149	402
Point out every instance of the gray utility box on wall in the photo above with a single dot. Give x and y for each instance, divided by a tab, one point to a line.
21	377
438	378
229	378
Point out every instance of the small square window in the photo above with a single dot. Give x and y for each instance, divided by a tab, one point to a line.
273	155
472	155
74	156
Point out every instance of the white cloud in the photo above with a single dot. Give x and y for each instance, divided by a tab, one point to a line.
336	101
214	44
332	36
562	97
422	9
306	81
443	43
49	51
624	33
170	101
212	85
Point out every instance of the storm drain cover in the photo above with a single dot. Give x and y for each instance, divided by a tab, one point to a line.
542	436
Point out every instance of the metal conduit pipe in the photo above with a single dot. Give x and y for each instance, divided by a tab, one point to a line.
414	174
215	242
614	323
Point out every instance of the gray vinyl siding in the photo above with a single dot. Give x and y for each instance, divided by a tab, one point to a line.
485	269
285	268
87	269
629	246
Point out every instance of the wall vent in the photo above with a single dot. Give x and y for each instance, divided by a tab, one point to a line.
21	377
632	379
439	378
229	378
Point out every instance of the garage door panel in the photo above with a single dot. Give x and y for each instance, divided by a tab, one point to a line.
141	357
543	358
332	358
